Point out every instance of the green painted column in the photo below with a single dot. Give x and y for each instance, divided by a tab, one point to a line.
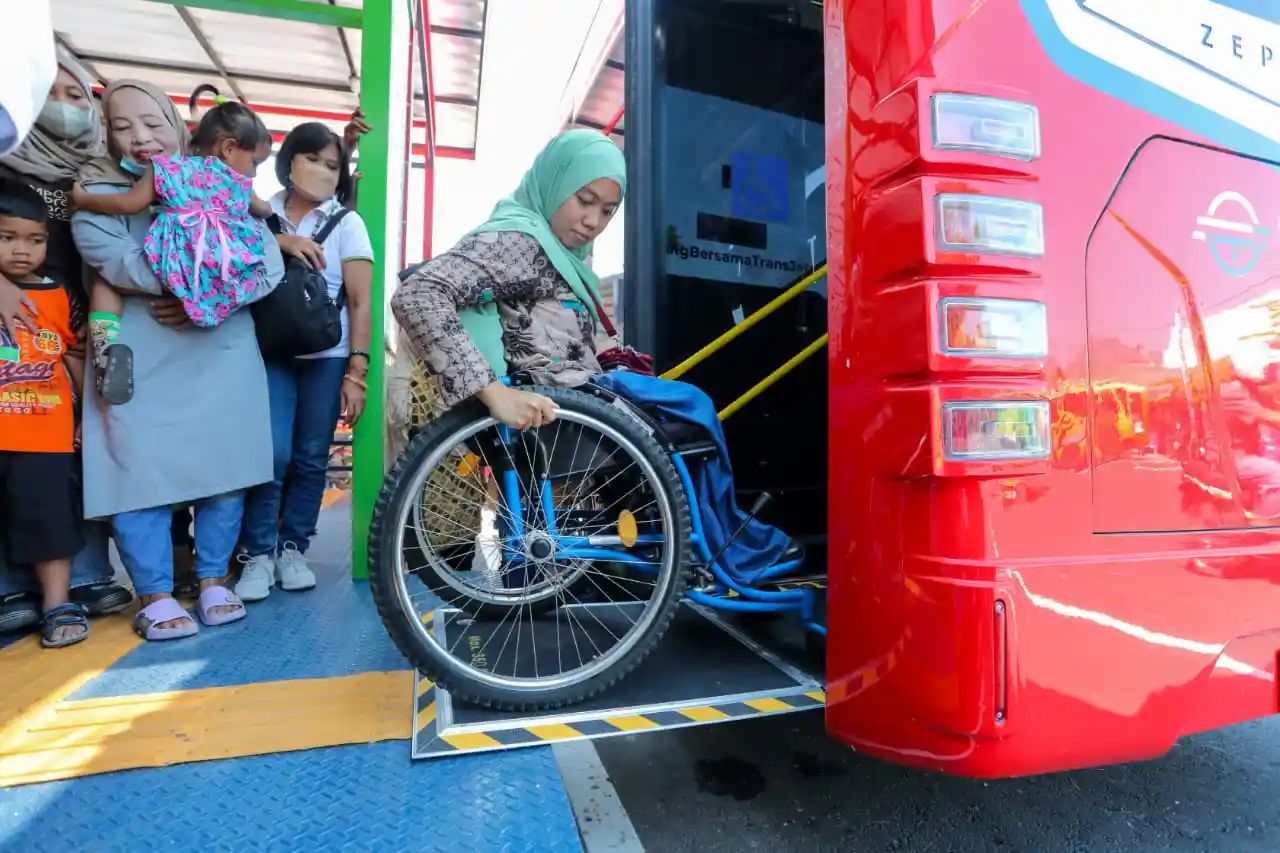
384	23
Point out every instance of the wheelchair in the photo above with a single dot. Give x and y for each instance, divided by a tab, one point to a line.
532	570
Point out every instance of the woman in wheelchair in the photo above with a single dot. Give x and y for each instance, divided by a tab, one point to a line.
532	544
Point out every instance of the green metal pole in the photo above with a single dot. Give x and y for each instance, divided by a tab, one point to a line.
373	203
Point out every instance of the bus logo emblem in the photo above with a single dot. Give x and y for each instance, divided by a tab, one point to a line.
1236	244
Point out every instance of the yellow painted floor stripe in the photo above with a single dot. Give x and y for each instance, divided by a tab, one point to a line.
817	696
92	736
555	732
427	717
704	715
36	679
632	724
767	705
478	740
331	497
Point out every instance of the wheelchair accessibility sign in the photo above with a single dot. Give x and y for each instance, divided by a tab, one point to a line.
760	187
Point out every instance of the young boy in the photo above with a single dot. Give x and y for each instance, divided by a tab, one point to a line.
39	506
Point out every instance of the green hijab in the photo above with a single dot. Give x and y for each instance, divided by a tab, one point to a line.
568	163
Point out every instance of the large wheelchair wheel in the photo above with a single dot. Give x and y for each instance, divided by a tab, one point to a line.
530	570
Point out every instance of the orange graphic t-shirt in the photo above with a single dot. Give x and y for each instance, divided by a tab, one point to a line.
36	410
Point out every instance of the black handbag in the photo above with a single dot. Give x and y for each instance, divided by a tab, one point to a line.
299	317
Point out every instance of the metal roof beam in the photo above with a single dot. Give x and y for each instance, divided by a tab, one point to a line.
460	32
199	36
178	68
346	49
288	10
457	100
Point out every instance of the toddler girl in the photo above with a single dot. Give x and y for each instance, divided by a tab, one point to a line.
203	245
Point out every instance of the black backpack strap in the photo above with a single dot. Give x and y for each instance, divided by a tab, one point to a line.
323	234
330	224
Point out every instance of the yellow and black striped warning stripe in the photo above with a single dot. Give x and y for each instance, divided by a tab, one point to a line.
430	742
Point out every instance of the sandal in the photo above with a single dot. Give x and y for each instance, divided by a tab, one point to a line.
147	623
219	596
18	612
101	599
63	616
117	375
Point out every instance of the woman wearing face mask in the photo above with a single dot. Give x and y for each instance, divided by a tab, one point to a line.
67	134
197	430
308	394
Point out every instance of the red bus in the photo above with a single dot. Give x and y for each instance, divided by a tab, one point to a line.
1110	616
1041	459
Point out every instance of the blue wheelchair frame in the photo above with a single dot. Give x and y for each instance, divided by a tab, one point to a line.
731	592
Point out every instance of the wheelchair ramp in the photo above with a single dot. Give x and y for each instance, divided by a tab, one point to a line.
703	671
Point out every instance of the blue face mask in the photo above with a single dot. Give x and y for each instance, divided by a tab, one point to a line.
132	166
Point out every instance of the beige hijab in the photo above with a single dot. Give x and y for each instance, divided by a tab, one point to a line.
106	170
42	156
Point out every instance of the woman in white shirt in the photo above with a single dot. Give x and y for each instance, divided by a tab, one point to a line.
308	394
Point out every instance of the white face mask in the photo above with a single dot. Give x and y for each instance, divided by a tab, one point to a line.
65	121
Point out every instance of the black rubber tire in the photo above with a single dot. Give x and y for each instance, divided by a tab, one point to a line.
427	658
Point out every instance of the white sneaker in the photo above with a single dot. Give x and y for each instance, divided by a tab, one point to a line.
292	570
255	579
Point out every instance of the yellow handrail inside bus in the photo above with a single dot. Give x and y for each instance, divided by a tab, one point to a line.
721	342
766	383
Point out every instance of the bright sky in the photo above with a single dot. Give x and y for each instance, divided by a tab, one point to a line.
530	49
529	52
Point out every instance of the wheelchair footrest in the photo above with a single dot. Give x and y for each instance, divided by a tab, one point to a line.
801	582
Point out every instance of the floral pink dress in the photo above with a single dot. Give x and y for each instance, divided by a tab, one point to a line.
204	246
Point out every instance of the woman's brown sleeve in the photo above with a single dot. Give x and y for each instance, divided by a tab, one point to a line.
478	271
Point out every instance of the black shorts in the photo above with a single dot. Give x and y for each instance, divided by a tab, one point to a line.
40	514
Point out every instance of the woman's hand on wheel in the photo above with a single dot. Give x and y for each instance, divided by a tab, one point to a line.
17	311
168	311
515	408
303	248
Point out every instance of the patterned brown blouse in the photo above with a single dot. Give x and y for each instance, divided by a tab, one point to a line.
546	329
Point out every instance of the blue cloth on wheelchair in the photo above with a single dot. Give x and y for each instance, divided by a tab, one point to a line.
760	545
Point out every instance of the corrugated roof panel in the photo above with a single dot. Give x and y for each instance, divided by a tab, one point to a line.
458	14
456	126
129	29
265	46
455	66
271	61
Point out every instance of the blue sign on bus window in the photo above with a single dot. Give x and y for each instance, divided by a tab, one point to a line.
760	187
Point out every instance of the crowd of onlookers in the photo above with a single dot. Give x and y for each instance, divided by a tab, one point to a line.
136	404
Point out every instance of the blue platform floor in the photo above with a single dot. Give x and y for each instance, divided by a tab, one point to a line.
351	798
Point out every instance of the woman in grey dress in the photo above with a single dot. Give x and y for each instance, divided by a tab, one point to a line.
198	429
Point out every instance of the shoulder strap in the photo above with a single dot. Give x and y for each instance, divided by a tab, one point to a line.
330	224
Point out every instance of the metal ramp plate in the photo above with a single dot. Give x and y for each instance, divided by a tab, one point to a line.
703	671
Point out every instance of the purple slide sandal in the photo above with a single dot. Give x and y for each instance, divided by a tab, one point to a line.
147	622
219	596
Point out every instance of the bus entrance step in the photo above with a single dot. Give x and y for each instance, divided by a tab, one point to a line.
703	671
